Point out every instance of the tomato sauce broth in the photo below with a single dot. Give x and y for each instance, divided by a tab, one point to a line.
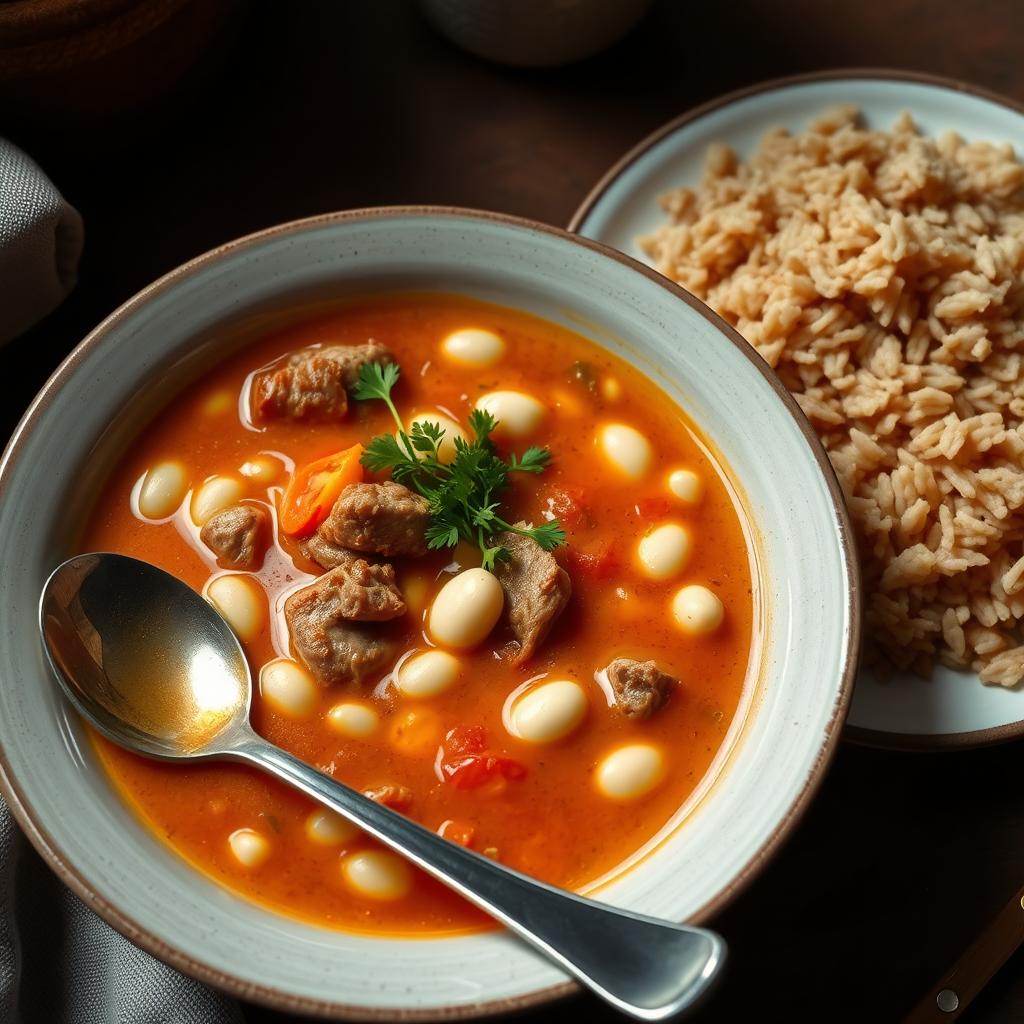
553	822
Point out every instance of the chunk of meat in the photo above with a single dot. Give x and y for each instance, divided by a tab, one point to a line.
359	591
640	687
327	555
352	358
386	519
237	535
537	589
398	798
313	383
329	643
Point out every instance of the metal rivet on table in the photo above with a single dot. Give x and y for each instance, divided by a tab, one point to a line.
947	1000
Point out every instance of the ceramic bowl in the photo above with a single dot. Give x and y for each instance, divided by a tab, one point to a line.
951	710
801	669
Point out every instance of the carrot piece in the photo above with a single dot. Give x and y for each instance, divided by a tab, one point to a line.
314	488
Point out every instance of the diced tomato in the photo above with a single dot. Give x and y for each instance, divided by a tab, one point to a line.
315	487
467	764
569	506
460	832
476	770
465	739
600	564
653	508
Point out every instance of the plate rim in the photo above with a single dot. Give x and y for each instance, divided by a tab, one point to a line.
121	920
910	742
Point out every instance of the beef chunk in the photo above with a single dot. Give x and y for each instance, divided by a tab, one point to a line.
398	798
352	358
327	555
360	591
333	647
237	535
312	383
640	687
536	587
387	519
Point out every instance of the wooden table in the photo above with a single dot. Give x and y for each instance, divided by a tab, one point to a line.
324	105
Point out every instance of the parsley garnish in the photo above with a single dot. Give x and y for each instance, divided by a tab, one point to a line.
464	495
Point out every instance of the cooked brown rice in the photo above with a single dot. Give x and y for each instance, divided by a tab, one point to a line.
880	274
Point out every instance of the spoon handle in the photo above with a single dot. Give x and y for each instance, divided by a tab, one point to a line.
647	968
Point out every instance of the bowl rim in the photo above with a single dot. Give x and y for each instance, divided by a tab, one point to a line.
855	73
854	734
76	879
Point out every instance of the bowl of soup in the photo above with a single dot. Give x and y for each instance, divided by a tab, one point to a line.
519	539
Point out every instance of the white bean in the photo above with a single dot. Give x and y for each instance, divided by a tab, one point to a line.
163	489
697	610
518	414
241	602
288	688
329	829
686	485
664	551
466	609
626	449
249	847
215	495
263	469
630	772
353	720
548	712
377	874
446	449
428	674
472	346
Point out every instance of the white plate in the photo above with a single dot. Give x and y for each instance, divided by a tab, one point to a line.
801	668
952	709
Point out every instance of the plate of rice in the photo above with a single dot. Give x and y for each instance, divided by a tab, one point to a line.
864	232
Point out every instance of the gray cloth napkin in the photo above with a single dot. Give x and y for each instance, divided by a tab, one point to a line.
40	242
60	964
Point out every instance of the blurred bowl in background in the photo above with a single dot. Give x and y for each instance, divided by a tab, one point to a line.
534	33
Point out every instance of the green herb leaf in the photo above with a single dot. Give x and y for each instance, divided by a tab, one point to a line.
494	555
376	381
464	495
440	535
383	453
548	535
533	460
482	423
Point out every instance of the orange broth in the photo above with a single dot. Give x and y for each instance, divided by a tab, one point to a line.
553	823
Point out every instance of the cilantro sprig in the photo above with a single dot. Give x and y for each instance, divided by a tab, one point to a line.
465	494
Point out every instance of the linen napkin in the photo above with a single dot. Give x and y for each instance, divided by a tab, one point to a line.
60	964
40	242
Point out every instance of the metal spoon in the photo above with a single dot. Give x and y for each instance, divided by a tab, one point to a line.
155	669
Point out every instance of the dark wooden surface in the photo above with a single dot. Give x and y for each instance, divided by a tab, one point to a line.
323	105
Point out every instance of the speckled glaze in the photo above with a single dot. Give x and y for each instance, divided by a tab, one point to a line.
952	710
800	675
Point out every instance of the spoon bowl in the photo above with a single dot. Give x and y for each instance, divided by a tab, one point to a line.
156	669
144	657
